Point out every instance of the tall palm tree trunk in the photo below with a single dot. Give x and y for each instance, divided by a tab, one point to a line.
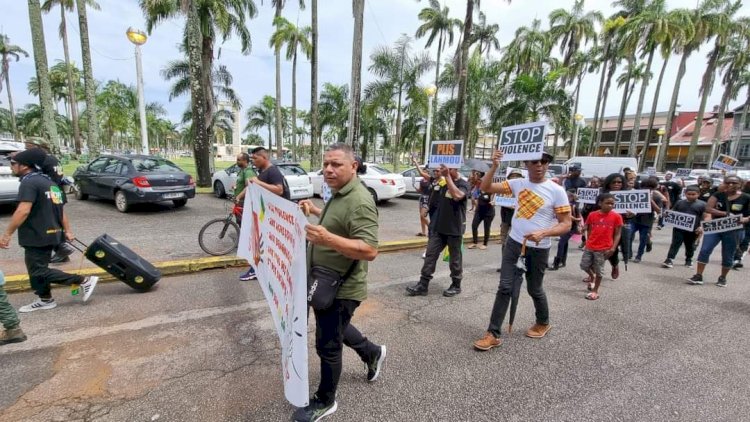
397	140
672	109
716	142
599	100
605	95
71	85
358	8
621	119
654	105
706	86
294	106
279	122
437	74
314	122
207	59
13	126
572	152
459	131
92	132
201	140
49	130
636	132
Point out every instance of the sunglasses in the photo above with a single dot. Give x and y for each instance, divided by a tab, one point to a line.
535	162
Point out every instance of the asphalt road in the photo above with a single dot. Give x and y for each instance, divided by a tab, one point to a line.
160	232
202	348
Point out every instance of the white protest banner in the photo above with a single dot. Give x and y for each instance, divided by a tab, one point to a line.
636	201
719	225
683	173
450	153
272	239
505	201
523	142
587	195
724	162
679	220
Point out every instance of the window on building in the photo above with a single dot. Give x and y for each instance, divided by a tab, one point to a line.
745	150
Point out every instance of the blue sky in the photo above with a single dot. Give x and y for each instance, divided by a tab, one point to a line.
385	21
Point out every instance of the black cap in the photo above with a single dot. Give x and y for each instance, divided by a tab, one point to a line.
574	166
549	157
31	157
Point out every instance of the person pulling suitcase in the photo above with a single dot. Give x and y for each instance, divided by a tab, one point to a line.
42	225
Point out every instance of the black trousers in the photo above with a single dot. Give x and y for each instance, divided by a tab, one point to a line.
680	237
333	330
41	276
435	245
485	216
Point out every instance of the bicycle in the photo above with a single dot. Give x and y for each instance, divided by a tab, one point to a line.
221	236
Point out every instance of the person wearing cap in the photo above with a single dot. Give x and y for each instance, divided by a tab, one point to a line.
54	170
574	180
674	189
542	212
42	225
426	185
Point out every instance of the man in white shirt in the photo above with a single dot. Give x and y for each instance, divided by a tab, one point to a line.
543	211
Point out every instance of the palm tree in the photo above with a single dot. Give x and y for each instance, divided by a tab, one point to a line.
439	24
262	115
572	30
485	35
92	133
459	132
31	122
179	71
532	96
295	39
9	51
581	64
49	130
722	26
610	60
399	74
334	110
529	50
355	110
201	108
634	73
314	123
68	6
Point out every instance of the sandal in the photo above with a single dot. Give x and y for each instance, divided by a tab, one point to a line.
472	246
591	286
592	296
420	234
482	247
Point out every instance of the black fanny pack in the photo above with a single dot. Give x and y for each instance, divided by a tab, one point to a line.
323	284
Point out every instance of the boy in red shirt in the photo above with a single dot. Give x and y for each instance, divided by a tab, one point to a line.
602	235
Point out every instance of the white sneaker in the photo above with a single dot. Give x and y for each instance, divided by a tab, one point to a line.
37	305
88	286
424	254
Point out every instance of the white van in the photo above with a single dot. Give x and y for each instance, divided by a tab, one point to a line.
603	166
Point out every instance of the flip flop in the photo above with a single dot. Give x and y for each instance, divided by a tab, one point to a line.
592	296
421	234
591	286
472	246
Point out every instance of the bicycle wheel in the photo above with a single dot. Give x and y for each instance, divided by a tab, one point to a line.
219	237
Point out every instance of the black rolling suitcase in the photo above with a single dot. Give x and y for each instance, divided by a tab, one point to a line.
118	260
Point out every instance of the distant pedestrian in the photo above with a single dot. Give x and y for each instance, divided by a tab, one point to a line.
506	213
42	225
542	212
9	318
602	228
674	188
643	222
426	184
345	237
693	206
244	176
613	183
448	230
573	180
484	214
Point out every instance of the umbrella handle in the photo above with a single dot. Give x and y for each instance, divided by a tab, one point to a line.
523	248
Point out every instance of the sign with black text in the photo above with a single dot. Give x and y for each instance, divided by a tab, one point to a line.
683	173
724	162
450	153
637	201
587	195
523	142
679	220
719	225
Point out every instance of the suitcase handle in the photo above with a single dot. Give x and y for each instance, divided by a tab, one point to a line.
78	246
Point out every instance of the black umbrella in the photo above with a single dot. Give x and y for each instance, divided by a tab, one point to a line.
516	293
478	165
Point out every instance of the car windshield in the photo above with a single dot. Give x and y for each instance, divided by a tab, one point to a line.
154	165
288	170
377	169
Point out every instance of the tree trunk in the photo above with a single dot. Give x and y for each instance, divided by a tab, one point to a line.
314	123
672	109
294	106
716	142
71	85
573	150
13	126
599	99
394	144
621	119
654	105
279	140
706	86
201	141
459	132
636	132
437	79
92	131
207	65
605	94
49	130
352	137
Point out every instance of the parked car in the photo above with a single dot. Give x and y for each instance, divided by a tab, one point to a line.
132	179
411	180
382	184
299	182
8	182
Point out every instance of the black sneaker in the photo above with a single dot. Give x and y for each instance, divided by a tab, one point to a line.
636	260
314	411
667	263
696	280
722	281
689	263
737	264
649	246
452	291
374	367
416	290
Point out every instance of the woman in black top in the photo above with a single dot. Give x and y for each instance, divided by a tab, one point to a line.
613	183
484	213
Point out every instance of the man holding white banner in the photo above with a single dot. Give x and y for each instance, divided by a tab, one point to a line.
685	218
345	238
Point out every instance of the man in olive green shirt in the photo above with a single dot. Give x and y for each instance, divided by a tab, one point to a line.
243	176
347	231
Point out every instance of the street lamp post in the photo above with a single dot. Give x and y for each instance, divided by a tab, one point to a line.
430	91
138	38
576	134
661	133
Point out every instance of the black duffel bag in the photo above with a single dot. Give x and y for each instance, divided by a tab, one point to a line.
323	284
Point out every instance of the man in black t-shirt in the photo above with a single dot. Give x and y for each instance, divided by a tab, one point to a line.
42	226
674	189
448	230
574	180
693	206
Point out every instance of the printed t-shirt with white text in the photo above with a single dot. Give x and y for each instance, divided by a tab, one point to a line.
537	208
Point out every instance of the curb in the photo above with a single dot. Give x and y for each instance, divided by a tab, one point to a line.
20	282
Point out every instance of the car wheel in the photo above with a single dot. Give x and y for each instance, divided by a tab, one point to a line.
179	203
79	193
121	201
374	194
219	190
